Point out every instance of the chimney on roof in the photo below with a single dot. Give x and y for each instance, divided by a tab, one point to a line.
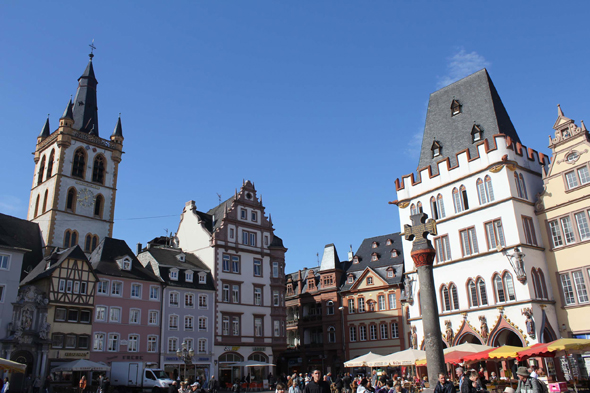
350	254
139	248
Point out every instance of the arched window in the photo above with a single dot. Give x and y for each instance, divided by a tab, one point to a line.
98	204
71	200
434	208
331	334
419	207
79	164
50	164
481	192
499	286
535	282
542	282
36	207
45	201
41	171
70	238
483	296
98	169
413	209
454	296
441	206
464	197
489	188
67	238
509	284
446	298
472	292
88	243
523	186
520	185
457	201
504	286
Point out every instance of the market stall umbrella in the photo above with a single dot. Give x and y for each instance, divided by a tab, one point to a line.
406	357
467	347
456	357
363	360
10	366
548	349
500	353
81	365
251	363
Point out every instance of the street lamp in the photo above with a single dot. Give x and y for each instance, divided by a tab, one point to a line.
186	355
516	261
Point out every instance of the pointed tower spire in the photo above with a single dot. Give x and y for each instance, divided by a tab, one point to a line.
269	219
118	131
85	105
46	130
68	114
236	194
559	111
583	125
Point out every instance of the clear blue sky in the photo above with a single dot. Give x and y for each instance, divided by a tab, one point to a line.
321	103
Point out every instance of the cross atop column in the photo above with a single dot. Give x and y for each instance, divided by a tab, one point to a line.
421	227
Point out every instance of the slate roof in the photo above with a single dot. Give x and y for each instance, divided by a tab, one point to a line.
218	212
85	108
45	132
480	104
104	261
19	233
54	260
365	252
276	242
167	260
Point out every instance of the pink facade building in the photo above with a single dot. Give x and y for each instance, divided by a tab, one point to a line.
127	314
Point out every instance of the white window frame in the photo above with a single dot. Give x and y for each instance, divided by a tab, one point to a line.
111	309
151	314
136	289
202	345
133	311
442	246
133	343
171	295
115	284
173	318
152	344
113	338
98	341
206	306
101	310
203	324
4	262
102	287
154	293
188	276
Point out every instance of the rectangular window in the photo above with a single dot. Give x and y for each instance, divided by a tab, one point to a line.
174	299
173	322
225	326
468	241
154	293
584	175
582	223
152	344
2	290
85	316
101	313
83	342
361	304
384	331
225	266
174	274
69	285
495	234
136	291
73	314
394	330
243	214
443	248
188	276
235	264
363	332
257	296
113	345
57	341
277	329
134	316
98	342
202	301
202	324
373	330
83	288
353	333
60	314
392	301
568	232
275	298
153	317
571	180
254	216
235	326
172	344
133	343
189	300
351	307
381	300
202	278
115	315
580	286
258	327
76	286
529	230
556	237
231	233
257	267
568	290
117	288
249	238
225	293
62	285
71	341
202	345
235	294
102	287
189	323
275	269
4	262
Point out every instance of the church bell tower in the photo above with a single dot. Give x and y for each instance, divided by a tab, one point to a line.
75	180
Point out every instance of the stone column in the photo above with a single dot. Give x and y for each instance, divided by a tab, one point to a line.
423	256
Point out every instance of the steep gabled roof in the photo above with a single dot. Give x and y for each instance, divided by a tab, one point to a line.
104	261
167	259
85	108
479	104
218	212
23	234
54	261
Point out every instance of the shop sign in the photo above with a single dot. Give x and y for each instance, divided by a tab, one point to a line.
132	357
172	359
204	359
234	348
74	355
259	349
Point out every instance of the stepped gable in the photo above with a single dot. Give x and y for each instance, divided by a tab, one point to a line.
23	234
477	103
377	245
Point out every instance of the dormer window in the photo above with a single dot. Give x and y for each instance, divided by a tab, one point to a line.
436	149
174	274
125	263
375	245
390	273
311	283
476	133
202	278
181	257
355	259
374	257
455	108
188	276
369	280
388	242
350	279
394	253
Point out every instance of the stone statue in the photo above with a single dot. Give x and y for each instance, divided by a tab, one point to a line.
485	332
517	262
530	323
26	319
408	288
449	334
414	338
44	330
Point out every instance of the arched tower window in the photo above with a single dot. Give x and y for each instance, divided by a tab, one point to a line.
542	283
454	296
98	205
441	206
434	208
41	171
71	200
79	165
489	188
36	207
483	296
472	292
419	207
446	298
481	192
523	186
464	197
457	201
98	169
70	238
413	209
45	201
88	243
50	165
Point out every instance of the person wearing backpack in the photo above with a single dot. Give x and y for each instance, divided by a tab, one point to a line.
526	384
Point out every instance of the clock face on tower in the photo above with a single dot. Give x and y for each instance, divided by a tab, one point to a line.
85	197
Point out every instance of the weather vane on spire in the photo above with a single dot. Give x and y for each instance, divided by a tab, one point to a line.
92	48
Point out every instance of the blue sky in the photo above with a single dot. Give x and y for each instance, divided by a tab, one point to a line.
321	103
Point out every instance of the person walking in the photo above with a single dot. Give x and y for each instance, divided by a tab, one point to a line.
82	384
443	385
526	384
317	385
6	385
